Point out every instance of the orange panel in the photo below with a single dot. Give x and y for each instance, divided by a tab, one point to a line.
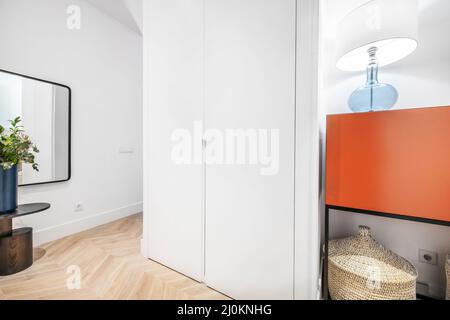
395	162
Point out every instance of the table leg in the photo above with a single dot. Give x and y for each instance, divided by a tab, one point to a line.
5	227
16	248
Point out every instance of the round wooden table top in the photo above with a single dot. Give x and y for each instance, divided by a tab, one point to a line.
25	210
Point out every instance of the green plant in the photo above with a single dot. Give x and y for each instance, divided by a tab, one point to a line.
16	146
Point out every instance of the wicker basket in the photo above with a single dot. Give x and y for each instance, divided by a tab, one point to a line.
362	269
447	269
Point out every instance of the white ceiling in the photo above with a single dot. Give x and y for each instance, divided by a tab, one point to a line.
128	12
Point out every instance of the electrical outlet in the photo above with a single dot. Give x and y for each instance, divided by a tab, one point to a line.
79	207
428	257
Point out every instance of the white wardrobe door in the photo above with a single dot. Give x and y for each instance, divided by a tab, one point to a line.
173	46
250	84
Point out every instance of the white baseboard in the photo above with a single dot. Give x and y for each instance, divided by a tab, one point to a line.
57	232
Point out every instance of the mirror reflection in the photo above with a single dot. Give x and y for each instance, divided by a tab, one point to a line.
45	111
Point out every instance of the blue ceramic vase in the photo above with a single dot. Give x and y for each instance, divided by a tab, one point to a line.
8	190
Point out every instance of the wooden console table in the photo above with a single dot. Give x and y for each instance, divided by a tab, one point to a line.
16	246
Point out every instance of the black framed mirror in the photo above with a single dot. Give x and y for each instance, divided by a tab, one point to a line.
45	109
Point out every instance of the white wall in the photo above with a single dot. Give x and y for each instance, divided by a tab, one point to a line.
423	80
102	64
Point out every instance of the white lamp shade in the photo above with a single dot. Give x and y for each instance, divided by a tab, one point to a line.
390	25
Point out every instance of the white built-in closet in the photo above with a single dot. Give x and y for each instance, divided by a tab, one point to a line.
233	64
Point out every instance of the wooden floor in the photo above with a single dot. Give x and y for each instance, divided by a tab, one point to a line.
111	267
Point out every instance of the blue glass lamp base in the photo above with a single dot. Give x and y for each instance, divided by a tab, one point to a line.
375	97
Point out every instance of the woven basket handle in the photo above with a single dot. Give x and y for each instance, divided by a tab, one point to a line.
364	231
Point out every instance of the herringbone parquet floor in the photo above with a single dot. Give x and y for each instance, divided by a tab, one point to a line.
110	267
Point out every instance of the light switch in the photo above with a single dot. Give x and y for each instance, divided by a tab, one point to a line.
126	150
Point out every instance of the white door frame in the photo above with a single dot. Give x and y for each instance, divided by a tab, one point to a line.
307	217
